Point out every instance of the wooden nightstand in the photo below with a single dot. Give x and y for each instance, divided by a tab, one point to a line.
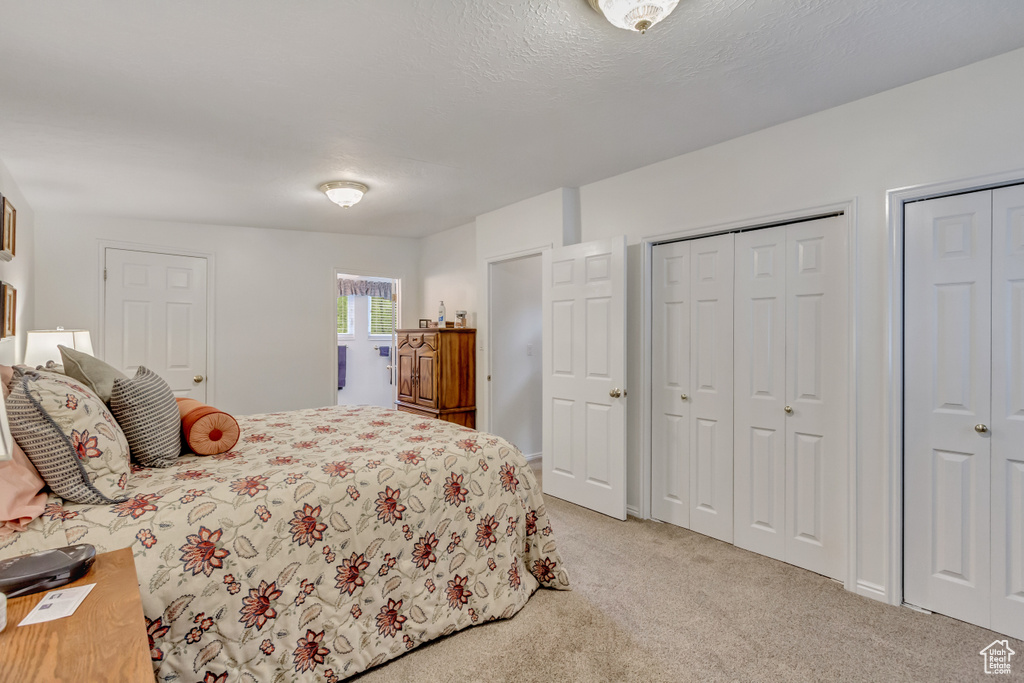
104	640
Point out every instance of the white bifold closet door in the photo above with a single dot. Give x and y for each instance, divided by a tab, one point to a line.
964	407
692	367
791	397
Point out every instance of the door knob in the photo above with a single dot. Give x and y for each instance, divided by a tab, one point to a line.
789	410
197	379
981	429
615	393
683	397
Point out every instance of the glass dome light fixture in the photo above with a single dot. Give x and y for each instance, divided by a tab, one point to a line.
344	193
634	15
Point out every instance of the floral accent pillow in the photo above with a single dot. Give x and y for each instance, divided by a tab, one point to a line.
70	436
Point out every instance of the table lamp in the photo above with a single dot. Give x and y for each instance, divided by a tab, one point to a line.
42	345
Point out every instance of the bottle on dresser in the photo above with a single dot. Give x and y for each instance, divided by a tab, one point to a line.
440	316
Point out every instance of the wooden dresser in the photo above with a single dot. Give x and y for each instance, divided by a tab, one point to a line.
437	374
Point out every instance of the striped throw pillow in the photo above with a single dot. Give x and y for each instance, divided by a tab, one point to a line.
147	412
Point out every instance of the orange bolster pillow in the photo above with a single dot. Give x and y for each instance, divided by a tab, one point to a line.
207	431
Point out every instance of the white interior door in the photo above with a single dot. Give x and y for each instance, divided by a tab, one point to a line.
791	441
816	392
947	366
711	379
584	355
692	370
155	315
1007	414
670	383
760	392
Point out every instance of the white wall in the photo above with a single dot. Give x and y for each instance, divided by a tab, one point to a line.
367	377
19	270
516	337
447	266
527	226
961	124
275	305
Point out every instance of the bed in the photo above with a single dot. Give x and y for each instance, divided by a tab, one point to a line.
327	542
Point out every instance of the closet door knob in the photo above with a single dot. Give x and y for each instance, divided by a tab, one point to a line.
789	410
683	397
981	429
615	393
197	379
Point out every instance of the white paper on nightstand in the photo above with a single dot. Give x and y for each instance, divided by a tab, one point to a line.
57	604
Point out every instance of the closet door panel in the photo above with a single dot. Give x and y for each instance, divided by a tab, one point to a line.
1007	428
760	392
816	393
711	376
670	433
947	390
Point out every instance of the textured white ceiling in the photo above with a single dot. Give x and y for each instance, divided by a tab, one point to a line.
233	112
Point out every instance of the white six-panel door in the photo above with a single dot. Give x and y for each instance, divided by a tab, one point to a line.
670	383
692	378
791	410
964	407
947	365
584	433
1007	433
155	315
817	340
760	420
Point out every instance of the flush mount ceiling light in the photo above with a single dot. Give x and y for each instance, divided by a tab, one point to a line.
344	193
634	15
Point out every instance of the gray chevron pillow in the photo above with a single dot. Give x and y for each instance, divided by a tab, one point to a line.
147	412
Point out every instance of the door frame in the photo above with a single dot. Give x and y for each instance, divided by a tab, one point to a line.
892	592
483	386
331	313
488	395
849	211
211	330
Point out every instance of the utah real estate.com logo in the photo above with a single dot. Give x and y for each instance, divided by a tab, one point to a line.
997	657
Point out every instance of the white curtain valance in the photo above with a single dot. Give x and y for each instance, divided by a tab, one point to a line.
361	287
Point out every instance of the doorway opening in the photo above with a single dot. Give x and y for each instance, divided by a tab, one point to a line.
367	315
516	338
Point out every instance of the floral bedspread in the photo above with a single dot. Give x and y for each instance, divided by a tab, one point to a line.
327	542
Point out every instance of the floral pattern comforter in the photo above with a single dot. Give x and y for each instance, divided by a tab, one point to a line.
327	542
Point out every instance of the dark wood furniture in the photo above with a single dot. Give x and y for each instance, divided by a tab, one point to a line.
104	640
437	374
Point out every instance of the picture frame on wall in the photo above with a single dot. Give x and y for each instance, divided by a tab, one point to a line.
9	310
8	236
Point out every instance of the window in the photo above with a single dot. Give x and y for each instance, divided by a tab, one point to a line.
382	316
346	321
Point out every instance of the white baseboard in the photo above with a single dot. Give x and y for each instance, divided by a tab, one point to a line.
633	511
533	457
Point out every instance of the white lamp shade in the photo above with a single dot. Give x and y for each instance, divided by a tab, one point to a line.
42	345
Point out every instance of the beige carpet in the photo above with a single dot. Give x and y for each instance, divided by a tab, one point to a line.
652	602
